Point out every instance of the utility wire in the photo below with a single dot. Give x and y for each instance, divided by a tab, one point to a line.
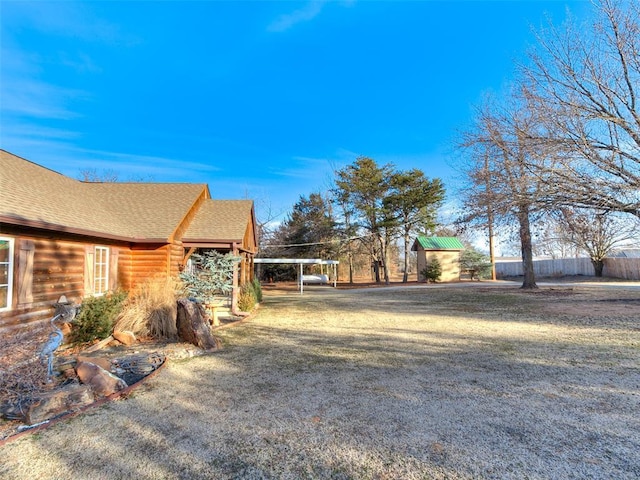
318	243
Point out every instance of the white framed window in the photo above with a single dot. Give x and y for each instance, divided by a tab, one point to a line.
6	272
101	270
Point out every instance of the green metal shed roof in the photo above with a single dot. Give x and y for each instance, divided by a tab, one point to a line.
439	243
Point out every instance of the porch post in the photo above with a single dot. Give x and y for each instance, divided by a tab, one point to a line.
234	288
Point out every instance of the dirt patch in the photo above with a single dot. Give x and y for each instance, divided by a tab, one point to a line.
23	375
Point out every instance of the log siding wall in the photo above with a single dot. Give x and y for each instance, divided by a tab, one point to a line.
46	268
149	262
176	259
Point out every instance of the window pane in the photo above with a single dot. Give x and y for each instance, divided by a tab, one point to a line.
101	270
4	251
4	274
3	297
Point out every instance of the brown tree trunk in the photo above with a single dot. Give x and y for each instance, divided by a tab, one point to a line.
529	281
405	275
598	267
384	254
376	264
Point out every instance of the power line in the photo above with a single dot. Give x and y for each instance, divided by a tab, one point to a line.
318	243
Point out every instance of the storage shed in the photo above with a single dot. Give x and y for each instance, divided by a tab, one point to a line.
445	249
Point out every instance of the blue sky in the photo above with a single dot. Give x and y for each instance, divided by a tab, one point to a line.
257	99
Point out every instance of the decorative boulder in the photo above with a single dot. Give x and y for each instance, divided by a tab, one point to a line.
57	402
125	337
193	325
102	362
102	383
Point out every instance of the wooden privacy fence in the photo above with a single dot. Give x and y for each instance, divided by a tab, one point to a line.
627	268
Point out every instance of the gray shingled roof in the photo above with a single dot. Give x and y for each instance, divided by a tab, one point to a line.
220	220
34	195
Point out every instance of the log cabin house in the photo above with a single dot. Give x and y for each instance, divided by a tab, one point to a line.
61	236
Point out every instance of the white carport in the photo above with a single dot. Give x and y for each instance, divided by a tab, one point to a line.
302	262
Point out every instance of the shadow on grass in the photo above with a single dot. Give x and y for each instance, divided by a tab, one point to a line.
307	390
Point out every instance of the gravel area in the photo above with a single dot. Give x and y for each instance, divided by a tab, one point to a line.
423	382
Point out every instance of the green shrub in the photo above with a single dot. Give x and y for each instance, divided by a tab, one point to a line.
475	263
247	298
432	271
97	316
257	288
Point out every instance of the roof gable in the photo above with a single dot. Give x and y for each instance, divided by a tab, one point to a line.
437	243
221	220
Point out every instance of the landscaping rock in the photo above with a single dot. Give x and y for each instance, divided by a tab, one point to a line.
125	337
57	402
102	362
193	325
103	383
100	344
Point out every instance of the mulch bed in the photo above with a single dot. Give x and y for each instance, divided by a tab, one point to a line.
24	376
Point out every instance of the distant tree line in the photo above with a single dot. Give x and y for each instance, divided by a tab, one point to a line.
367	210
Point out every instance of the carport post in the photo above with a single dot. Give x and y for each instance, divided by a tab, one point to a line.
301	282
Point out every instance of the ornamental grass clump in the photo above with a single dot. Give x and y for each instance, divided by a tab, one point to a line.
246	299
250	295
151	309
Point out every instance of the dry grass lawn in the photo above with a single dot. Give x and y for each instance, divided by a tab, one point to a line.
425	382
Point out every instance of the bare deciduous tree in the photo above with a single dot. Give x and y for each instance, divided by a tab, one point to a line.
502	185
91	175
584	82
596	232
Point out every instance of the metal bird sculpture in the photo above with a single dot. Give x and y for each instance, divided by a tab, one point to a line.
55	340
63	311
